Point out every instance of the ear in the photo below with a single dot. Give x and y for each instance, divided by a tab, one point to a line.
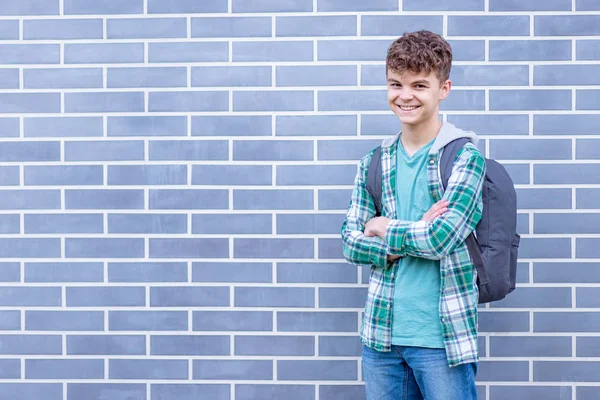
445	89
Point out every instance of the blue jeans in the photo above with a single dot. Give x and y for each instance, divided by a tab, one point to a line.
416	373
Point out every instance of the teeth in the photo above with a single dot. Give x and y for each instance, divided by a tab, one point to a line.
408	108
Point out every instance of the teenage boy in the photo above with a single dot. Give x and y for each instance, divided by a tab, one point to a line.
419	328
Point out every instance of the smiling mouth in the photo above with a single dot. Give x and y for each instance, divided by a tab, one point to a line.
408	108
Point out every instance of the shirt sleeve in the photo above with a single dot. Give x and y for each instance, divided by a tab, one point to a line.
436	239
358	248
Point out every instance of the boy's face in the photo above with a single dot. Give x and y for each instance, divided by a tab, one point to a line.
415	97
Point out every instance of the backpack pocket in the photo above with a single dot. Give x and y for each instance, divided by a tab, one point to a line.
514	255
500	271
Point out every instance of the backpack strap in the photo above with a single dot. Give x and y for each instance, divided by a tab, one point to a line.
374	180
448	156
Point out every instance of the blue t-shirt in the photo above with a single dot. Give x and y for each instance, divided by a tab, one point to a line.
416	317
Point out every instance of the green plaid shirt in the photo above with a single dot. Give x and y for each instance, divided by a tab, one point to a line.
443	239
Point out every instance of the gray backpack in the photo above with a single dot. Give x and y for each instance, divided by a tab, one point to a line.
494	246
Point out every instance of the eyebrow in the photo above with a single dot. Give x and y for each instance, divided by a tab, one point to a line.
421	81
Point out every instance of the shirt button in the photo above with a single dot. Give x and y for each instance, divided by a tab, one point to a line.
389	306
431	161
443	320
393	276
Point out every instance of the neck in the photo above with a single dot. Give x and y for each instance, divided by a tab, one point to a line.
416	136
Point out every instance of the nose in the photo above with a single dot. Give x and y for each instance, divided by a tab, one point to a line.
406	95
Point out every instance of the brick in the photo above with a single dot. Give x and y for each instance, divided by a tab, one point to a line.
523	224
588	50
494	25
566	272
230	370
273	248
565	371
147	126
83	7
492	75
104	248
273	101
565	75
323	25
530	346
189	248
147	223
444	5
273	150
587	198
587	346
177	296
188	199
464	100
534	198
373	75
232	224
9	30
147	174
231	76
125	199
284	199
272	51
97	391
29	102
530	5
9	127
9	78
587	5
274	297
225	27
104	102
27	199
330	249
309	223
230	125
58	78
29	54
232	175
190	392
186	6
31	7
587	100
308	370
317	321
147	272
30	248
569	223
352	100
530	50
30	344
570	321
504	321
379	124
231	272
62	127
530	149
566	25
530	392
335	199
492	124
62	29
188	150
345	149
106	296
10	223
10	272
468	50
147	369
388	25
188	101
343	392
25	391
274	345
233	321
275	391
503	371
64	320
315	174
145	77
587	392
340	346
189	345
103	150
565	174
10	369
188	52
29	151
322	75
352	50
101	53
106	345
146	28
63	223
64	369
356	5
148	320
545	248
579	124
261	6
342	297
587	297
316	125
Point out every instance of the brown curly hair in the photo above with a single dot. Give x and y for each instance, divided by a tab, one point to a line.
421	51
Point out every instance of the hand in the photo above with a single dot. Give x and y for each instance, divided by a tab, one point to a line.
392	258
435	211
376	227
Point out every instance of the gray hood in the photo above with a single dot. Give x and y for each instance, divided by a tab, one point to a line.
447	133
